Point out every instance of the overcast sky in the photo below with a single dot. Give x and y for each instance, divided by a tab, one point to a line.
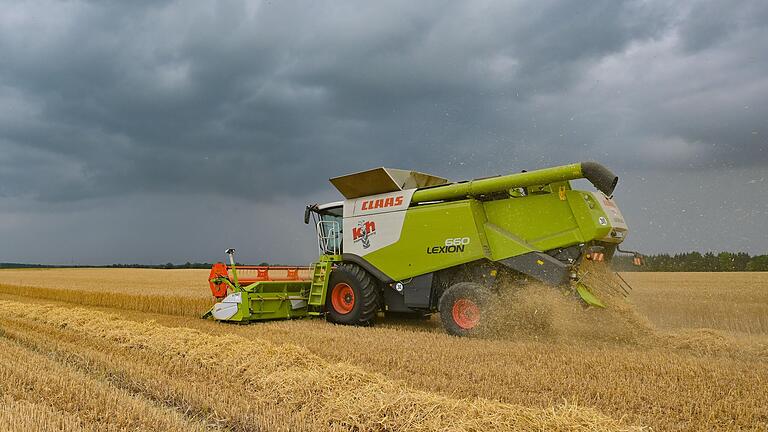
167	131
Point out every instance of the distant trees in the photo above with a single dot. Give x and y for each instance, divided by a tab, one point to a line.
681	262
187	265
696	262
758	263
169	266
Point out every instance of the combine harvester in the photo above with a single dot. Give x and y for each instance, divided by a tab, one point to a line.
408	242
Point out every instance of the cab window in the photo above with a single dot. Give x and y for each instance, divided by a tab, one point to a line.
330	232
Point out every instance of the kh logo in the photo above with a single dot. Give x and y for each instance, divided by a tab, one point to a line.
363	232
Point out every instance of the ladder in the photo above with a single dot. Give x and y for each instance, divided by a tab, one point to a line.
318	287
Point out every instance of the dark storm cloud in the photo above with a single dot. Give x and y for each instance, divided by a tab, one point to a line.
266	100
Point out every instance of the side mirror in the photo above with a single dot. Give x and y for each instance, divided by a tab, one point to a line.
637	258
307	211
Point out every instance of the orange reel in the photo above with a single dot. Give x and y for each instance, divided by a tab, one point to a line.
219	270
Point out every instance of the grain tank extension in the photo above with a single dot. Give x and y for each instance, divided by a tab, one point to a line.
407	242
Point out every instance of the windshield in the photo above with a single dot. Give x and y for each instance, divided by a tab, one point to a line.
330	230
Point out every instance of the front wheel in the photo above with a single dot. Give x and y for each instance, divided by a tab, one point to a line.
352	297
461	307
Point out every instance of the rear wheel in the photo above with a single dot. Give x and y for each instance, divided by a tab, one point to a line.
461	307
353	296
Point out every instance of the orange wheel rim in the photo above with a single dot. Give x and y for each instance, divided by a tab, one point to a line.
343	298
466	314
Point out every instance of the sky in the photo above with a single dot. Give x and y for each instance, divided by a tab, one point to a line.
168	131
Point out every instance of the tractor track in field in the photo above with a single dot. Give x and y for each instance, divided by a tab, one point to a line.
91	359
52	381
194	380
526	371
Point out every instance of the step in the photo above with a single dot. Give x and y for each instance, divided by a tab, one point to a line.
319	284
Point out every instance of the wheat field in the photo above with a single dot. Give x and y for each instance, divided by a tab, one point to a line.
90	349
736	302
174	292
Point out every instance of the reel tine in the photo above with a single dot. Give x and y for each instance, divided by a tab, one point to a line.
603	284
625	283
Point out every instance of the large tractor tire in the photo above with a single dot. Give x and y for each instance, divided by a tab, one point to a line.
353	296
461	308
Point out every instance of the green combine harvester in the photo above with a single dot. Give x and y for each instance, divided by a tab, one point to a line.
408	242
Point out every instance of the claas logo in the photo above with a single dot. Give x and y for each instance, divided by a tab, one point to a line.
608	202
382	203
363	231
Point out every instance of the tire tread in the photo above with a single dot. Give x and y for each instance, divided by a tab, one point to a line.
369	291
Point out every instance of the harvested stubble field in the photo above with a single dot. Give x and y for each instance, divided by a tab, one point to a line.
86	349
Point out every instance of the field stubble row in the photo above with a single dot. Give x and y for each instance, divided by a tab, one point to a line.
736	302
238	383
547	353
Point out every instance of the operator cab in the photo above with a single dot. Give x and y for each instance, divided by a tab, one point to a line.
327	218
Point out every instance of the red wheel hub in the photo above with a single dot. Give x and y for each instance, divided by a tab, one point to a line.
343	298
466	314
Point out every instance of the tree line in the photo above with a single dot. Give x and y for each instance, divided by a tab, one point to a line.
695	262
680	262
169	266
187	265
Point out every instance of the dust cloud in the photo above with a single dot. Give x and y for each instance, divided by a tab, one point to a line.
534	310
